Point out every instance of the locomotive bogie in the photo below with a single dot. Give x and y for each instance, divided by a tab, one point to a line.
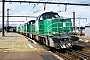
60	43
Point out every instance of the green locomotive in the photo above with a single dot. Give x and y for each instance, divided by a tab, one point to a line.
52	31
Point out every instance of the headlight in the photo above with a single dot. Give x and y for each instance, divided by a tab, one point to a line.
56	33
53	32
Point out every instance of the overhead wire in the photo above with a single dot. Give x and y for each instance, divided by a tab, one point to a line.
45	6
14	13
38	10
69	7
33	7
30	9
74	6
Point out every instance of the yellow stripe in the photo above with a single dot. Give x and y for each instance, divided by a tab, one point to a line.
25	45
19	45
13	45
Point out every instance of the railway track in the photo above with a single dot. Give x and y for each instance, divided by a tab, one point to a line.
79	55
70	54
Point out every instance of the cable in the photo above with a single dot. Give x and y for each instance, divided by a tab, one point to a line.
15	11
34	7
38	10
81	2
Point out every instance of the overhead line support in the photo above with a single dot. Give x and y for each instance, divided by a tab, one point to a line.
3	1
7	24
20	16
50	3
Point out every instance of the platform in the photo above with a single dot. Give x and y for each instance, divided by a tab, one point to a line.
17	47
84	39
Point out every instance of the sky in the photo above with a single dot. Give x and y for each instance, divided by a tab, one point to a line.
26	9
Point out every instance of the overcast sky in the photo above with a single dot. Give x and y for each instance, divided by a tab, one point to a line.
26	9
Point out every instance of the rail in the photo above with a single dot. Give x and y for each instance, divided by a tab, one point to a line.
70	54
80	55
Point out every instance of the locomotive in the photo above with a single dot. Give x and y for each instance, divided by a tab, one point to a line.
49	29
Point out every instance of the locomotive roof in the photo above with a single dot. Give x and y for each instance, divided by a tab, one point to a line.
32	21
49	13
